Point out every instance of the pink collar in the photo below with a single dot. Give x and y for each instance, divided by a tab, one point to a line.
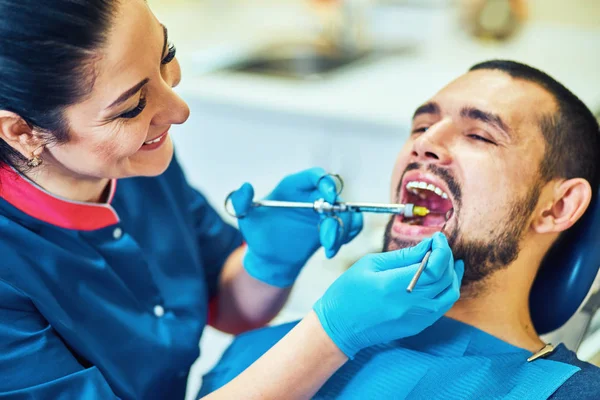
34	201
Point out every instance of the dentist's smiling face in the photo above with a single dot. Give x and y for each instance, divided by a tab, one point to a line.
121	128
476	149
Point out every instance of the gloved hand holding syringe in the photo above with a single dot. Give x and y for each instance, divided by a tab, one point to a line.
323	207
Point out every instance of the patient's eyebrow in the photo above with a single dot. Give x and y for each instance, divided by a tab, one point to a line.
427	108
487	118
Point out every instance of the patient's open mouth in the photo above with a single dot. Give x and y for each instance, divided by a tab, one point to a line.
433	198
428	192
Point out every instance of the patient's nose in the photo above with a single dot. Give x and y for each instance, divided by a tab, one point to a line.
432	145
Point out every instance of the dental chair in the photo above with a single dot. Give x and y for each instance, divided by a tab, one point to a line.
568	281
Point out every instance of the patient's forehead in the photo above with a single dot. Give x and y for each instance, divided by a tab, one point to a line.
521	104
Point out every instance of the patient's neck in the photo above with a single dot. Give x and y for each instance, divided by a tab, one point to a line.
501	306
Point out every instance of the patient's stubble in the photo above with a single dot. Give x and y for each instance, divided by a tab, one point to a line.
482	256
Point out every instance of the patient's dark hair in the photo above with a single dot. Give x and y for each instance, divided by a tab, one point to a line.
571	133
47	54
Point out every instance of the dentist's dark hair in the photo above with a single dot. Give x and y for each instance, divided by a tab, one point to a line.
47	55
571	133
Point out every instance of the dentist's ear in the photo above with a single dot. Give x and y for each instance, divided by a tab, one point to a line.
570	198
18	134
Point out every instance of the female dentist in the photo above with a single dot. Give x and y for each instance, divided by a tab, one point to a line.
105	287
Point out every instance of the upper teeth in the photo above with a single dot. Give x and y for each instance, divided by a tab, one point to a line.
413	185
154	140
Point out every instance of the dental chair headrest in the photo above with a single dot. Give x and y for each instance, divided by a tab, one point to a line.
567	273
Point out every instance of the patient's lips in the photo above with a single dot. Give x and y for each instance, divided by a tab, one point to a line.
424	189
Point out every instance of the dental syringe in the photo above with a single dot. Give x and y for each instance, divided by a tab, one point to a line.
323	207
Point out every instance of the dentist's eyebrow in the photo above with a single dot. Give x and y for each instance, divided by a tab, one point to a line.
129	93
487	118
427	108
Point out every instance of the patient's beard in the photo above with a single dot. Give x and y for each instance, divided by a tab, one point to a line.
484	256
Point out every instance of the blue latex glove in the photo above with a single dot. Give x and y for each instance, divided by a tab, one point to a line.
369	304
280	241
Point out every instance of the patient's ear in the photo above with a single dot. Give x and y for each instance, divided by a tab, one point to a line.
570	200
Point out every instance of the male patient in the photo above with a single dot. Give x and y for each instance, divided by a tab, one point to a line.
515	155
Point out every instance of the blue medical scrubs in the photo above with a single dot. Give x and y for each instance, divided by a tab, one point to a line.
105	300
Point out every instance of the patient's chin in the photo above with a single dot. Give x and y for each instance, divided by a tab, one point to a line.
396	244
391	243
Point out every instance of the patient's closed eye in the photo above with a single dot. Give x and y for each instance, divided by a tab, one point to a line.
422	129
481	138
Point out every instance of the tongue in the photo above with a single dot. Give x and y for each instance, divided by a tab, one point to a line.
434	220
440	209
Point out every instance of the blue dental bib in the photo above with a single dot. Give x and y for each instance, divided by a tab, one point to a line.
449	360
